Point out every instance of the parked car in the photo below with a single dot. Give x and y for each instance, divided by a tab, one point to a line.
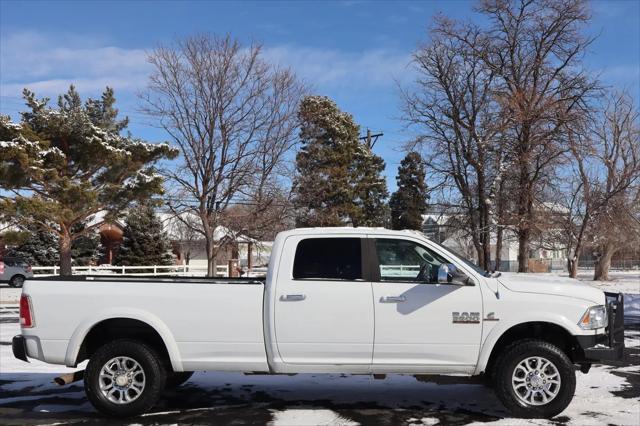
335	300
14	270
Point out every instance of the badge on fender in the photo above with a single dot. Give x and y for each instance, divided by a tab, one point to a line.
466	317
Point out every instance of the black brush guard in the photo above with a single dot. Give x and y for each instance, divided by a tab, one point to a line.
610	346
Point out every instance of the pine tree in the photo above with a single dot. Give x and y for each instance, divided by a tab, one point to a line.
40	247
409	202
371	189
337	179
69	163
144	241
85	250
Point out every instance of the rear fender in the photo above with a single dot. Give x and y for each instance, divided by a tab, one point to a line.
136	314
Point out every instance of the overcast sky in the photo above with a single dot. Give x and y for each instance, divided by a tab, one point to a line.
356	52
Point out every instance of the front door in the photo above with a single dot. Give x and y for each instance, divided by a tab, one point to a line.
323	309
416	329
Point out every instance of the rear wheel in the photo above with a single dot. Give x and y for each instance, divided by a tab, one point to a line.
16	281
534	379
176	379
124	378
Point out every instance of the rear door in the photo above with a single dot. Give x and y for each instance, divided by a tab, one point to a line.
416	329
323	306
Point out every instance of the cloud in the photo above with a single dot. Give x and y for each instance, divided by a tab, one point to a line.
337	69
48	65
622	77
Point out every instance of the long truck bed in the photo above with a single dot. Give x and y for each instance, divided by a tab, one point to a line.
200	324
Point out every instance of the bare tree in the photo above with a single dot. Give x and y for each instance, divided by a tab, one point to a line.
605	154
233	116
615	181
535	49
459	123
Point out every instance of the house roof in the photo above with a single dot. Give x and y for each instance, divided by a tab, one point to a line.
172	223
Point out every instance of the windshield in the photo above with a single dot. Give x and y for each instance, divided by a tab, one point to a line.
462	258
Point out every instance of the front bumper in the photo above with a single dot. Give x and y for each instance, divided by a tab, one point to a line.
19	346
610	345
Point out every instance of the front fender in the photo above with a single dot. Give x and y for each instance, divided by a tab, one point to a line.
80	333
503	326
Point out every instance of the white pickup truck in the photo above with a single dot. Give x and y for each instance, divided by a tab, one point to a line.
335	300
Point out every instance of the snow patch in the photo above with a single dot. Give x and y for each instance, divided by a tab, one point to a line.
301	417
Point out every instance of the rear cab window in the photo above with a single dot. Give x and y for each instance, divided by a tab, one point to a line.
332	259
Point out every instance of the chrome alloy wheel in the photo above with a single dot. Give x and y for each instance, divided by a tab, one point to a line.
536	381
122	380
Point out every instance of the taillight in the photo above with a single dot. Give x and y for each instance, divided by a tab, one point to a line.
28	269
26	313
1	267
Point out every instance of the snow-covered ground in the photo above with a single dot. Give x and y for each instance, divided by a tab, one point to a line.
9	296
620	281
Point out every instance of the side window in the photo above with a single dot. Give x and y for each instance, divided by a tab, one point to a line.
406	261
328	259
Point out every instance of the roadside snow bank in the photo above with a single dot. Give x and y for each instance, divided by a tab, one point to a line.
10	295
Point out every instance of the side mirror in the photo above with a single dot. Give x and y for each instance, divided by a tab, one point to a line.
443	273
449	274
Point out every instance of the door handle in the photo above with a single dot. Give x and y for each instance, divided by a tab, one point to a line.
392	299
292	297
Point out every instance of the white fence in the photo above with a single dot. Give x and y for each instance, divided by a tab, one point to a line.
153	270
404	271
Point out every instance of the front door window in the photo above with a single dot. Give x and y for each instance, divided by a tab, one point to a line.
407	261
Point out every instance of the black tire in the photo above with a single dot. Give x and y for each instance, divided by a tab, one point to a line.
176	379
154	377
16	281
517	353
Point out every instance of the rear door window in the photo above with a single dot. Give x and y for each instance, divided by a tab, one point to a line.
328	259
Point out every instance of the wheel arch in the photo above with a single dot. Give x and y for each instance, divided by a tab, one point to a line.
548	331
101	329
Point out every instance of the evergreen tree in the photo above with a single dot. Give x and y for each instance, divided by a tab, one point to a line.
40	247
143	240
409	202
370	189
338	179
85	250
70	162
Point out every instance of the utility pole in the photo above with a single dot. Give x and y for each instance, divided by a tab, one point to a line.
370	139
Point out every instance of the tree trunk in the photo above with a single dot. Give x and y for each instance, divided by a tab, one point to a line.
486	247
65	254
604	263
211	256
477	245
572	263
523	251
572	266
498	248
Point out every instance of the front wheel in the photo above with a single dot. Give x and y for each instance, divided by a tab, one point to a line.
124	378
534	379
